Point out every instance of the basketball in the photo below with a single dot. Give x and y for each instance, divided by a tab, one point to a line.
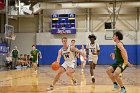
55	66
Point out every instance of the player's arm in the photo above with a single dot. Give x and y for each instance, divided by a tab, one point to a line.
98	50
123	53
37	57
112	55
31	54
97	53
77	50
59	56
40	55
77	54
87	49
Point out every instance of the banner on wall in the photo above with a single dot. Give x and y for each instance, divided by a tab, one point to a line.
3	48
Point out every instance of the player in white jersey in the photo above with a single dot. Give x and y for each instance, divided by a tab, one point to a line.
83	62
93	50
68	57
76	54
68	65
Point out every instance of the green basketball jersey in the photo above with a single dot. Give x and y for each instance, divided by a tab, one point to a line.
118	55
34	53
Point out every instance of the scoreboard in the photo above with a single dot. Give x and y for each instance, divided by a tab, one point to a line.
63	23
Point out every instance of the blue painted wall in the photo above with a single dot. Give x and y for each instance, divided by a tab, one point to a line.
138	54
49	53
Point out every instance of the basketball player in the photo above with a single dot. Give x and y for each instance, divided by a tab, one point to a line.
121	62
83	62
93	50
34	54
76	54
69	63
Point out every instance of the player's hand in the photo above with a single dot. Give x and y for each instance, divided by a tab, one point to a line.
124	65
85	58
94	53
57	62
112	55
87	52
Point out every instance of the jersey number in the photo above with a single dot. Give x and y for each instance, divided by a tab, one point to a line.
92	50
67	56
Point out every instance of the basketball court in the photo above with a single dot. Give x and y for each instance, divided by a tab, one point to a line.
43	23
27	81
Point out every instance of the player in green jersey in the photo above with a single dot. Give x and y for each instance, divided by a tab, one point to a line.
34	53
121	62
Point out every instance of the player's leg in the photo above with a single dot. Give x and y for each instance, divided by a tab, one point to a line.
83	63
61	71
70	71
92	68
118	79
110	71
34	66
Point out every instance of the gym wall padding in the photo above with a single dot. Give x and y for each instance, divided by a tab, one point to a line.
50	52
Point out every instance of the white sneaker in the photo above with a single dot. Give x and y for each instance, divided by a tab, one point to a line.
50	88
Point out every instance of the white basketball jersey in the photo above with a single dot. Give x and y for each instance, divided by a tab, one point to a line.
83	51
92	48
68	54
75	54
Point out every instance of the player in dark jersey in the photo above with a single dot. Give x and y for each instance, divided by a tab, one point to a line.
121	62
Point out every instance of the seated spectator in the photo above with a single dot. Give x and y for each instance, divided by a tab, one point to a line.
28	61
8	61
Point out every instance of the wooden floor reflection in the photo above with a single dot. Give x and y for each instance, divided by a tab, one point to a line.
27	81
